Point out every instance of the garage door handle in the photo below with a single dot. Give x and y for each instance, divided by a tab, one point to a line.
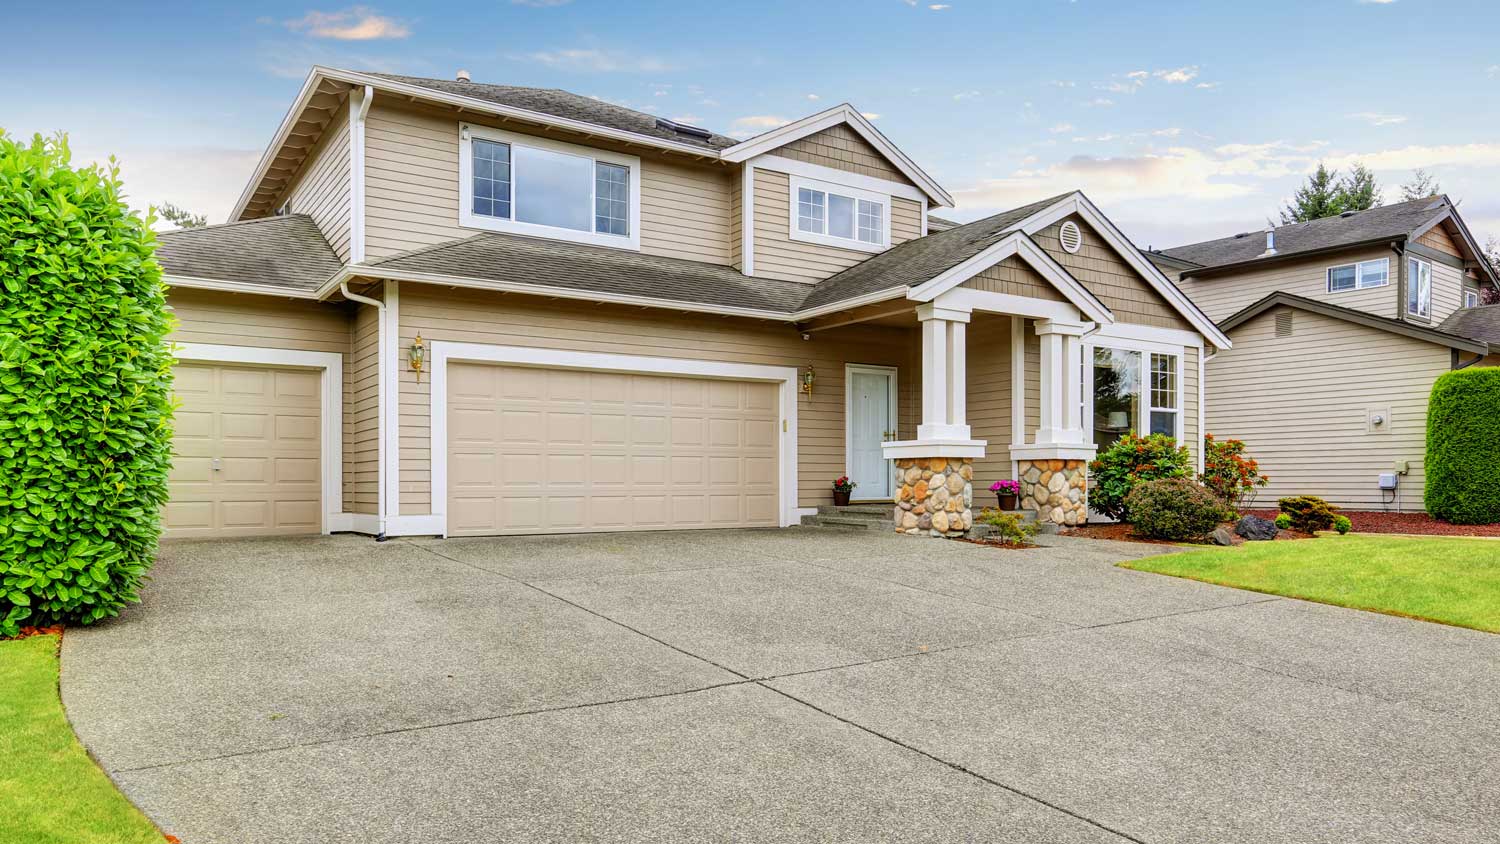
216	465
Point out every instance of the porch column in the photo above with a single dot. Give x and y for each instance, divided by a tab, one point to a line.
944	374
1054	469
1061	382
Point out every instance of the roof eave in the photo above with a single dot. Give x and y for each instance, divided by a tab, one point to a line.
1406	329
1280	257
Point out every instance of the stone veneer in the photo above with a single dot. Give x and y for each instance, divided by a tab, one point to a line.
1056	489
934	495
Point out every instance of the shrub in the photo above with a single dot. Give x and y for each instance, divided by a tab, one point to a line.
1009	527
1130	460
1283	521
1463	451
1342	524
1174	508
1228	473
85	414
1308	513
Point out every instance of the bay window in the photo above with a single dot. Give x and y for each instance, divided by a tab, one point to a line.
1418	288
1132	391
836	215
545	188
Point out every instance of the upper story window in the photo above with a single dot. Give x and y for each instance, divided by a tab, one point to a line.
1418	288
545	188
1471	298
1359	276
837	215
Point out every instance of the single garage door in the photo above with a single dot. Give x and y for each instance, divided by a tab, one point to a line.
247	452
534	450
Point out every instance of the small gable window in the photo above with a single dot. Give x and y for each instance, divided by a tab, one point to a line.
1359	276
841	216
545	188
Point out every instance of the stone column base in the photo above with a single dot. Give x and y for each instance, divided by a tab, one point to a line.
1056	489
934	495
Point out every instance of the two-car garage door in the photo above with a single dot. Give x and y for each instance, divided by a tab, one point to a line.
536	450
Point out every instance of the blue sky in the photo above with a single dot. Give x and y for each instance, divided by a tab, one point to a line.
1183	120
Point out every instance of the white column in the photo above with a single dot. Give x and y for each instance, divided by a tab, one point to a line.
1061	420
1072	418
957	373
934	375
944	374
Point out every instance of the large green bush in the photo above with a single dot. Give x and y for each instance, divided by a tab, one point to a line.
85	373
1130	460
1463	447
1175	509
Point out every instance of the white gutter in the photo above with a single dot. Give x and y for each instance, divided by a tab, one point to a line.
380	400
1202	391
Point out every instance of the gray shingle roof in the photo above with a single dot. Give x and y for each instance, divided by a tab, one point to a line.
1481	323
1438	335
574	266
916	261
1386	221
285	252
559	103
938	224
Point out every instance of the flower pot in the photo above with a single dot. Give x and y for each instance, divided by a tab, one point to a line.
1007	500
841	497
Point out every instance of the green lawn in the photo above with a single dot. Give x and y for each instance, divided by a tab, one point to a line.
51	792
1453	581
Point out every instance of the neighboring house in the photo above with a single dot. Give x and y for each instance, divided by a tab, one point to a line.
1340	326
445	307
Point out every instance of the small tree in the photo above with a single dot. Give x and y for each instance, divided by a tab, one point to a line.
1316	199
1420	186
1463	452
1228	473
1130	460
180	217
1359	191
85	372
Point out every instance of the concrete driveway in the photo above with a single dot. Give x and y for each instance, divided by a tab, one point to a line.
766	686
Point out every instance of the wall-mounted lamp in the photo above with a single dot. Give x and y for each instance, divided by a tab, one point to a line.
416	355
807	380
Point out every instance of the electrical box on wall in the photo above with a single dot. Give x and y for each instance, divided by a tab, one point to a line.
1378	420
1403	466
1387	480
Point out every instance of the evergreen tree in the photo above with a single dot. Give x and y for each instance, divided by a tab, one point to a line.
1359	191
1319	198
1421	185
181	217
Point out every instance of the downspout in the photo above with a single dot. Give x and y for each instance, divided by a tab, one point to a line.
1465	364
1202	410
380	401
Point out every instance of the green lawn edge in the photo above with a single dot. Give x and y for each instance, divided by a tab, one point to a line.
51	791
1441	579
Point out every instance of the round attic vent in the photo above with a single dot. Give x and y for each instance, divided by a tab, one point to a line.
1071	237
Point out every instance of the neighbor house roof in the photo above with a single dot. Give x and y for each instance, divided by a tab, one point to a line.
1440	336
567	105
1386	222
282	253
937	224
1480	323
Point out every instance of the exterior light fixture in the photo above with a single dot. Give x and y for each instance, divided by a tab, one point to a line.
807	380
416	355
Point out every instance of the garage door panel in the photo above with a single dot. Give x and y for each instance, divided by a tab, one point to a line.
247	452
582	451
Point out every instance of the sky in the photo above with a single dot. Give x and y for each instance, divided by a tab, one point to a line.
1182	120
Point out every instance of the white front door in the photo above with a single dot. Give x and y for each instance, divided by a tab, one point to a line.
871	408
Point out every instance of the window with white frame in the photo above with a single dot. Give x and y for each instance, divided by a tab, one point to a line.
1164	394
1418	288
1132	391
837	215
1471	298
1359	276
537	186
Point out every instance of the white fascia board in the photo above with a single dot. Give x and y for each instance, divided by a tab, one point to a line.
842	113
1019	244
1079	204
843	178
1175	337
845	304
985	301
309	87
237	287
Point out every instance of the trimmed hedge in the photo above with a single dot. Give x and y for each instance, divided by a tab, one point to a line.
1463	447
1175	509
85	375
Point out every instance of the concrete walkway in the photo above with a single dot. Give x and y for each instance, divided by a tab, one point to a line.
769	686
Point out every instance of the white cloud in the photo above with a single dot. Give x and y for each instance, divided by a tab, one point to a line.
965	95
1170	132
1061	128
1377	118
1100	102
203	180
1063	83
1137	74
755	124
598	61
356	23
1177	76
1208	85
938	7
813	97
869	115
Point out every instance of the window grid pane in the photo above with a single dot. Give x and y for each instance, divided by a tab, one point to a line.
1164	381
491	179
1341	278
611	199
810	204
870	221
1373	273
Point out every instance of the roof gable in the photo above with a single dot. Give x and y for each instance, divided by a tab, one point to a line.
1122	288
1406	329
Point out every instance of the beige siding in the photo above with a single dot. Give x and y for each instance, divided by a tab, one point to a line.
842	148
322	189
1447	291
1015	277
1302	405
1101	269
736	223
1191	436
1224	295
778	256
475	317
989	399
412	191
362	414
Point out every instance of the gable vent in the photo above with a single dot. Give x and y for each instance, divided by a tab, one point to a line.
1071	237
1284	323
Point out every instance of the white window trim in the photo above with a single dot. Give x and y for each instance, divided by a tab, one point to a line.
466	217
441	352
798	183
849	371
1359	275
1143	421
1410	281
1471	294
330	409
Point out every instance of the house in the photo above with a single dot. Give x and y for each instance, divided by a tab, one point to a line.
1340	327
450	308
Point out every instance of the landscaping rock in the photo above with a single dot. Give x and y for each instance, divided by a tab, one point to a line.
1222	536
1256	529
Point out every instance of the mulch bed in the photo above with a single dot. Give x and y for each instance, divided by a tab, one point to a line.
1121	532
1410	523
28	632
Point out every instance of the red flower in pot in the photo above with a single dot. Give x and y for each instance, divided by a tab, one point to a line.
842	486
